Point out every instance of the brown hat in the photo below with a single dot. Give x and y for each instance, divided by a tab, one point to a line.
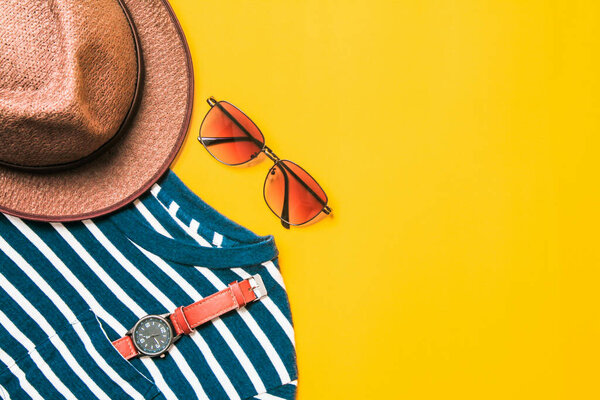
95	101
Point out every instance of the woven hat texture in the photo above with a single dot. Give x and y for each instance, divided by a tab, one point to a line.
72	81
67	78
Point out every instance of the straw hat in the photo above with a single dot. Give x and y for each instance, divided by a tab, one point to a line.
95	101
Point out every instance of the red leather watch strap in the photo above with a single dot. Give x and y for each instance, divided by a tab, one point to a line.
237	295
125	347
186	319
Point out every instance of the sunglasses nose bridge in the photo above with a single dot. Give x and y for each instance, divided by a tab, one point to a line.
269	153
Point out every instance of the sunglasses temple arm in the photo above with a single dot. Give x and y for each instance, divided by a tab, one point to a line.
210	141
285	210
235	121
326	208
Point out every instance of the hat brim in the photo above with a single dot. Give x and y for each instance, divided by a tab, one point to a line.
146	148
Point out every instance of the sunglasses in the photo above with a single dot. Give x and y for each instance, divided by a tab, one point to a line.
289	191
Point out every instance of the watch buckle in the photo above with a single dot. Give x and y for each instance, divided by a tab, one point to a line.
258	286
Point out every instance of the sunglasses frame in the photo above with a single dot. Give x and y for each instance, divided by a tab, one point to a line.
264	149
326	209
212	103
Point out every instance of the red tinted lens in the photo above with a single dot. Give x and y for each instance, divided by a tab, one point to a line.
229	135
305	198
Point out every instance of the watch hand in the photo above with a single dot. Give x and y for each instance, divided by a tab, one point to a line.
156	341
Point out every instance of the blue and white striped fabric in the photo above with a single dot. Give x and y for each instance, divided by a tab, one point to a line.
68	290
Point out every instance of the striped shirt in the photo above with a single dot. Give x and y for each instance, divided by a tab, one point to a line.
69	289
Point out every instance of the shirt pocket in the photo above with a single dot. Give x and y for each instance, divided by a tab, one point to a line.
78	362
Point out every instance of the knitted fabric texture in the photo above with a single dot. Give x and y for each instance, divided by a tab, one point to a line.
68	290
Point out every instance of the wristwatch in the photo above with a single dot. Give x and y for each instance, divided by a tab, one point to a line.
153	335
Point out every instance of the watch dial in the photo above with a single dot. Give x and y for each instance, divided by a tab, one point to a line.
152	335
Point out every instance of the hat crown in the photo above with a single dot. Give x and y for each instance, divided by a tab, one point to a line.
68	78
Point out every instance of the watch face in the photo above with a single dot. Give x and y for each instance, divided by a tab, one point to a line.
152	335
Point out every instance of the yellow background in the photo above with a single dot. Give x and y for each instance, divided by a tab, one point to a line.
458	143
